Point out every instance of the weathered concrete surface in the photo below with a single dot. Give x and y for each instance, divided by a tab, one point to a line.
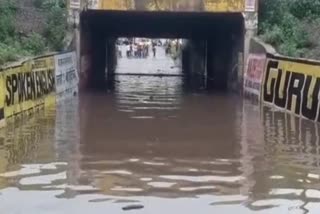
26	11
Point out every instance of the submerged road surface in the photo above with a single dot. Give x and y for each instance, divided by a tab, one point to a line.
148	147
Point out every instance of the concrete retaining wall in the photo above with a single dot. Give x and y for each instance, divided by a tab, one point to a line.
36	83
289	84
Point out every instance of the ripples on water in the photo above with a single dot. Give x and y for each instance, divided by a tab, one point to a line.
150	144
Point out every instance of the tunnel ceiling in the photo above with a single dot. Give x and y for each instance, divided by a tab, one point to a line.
161	24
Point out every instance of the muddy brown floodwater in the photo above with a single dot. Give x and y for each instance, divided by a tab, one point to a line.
148	147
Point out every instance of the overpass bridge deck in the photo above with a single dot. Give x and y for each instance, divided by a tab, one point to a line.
212	6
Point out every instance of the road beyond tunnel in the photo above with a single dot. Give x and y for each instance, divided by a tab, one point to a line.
214	42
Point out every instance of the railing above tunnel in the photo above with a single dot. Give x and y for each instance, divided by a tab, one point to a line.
172	5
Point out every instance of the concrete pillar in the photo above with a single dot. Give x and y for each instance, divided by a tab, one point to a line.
97	78
111	56
235	78
251	27
84	49
194	64
219	61
111	60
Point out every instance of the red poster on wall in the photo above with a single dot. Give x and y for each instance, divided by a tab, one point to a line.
254	74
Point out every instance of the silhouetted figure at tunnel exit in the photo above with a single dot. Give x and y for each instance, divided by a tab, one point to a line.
119	52
168	47
154	50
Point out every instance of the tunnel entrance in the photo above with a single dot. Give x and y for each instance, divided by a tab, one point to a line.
210	54
148	79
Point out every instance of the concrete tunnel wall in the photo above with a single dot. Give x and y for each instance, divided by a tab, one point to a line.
209	58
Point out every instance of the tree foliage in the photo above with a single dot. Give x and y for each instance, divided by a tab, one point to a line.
13	45
290	26
56	28
7	10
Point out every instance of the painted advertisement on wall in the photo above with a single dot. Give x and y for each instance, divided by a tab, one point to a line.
28	86
254	74
33	84
293	86
174	5
66	75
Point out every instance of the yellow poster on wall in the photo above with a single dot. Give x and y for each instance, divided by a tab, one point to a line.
294	86
29	86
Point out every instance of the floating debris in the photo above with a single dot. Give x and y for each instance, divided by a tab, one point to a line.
132	207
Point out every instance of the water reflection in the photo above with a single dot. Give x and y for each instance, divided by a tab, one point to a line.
147	97
265	167
149	145
289	157
25	140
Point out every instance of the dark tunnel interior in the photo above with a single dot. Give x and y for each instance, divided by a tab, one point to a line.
214	42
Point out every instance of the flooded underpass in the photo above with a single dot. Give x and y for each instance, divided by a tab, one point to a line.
148	146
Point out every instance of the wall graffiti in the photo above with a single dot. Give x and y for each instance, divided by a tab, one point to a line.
117	4
293	86
25	86
31	85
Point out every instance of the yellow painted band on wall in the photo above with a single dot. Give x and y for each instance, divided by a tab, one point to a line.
116	4
176	5
298	67
29	86
224	5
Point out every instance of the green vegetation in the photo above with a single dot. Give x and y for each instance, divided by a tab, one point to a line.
291	26
15	45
